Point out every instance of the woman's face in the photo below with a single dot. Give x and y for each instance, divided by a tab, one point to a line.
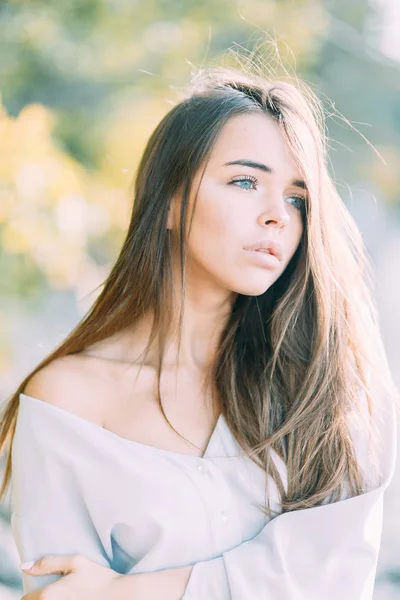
238	206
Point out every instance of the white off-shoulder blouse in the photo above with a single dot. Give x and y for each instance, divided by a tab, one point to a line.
79	488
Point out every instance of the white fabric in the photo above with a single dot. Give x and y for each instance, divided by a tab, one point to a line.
79	488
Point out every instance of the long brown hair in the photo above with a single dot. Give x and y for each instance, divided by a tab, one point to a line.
291	363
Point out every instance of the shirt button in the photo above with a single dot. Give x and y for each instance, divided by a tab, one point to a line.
224	515
201	468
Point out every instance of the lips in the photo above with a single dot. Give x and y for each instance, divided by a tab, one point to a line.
272	246
263	259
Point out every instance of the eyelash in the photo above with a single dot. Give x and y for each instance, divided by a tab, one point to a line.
254	180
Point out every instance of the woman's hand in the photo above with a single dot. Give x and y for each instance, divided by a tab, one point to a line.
87	580
84	579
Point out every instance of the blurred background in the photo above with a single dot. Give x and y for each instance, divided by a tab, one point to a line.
82	85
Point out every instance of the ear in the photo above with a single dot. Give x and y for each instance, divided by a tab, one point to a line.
173	211
170	218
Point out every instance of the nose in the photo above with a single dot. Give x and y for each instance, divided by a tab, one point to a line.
275	213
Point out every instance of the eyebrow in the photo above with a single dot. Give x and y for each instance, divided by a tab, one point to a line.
261	167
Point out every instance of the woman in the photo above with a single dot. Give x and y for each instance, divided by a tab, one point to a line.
246	454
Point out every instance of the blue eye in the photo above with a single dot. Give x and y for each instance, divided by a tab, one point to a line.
301	202
246	179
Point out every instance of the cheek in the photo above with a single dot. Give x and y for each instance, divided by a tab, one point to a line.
291	238
217	225
298	232
212	239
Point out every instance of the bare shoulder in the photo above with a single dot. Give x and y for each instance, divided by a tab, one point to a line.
69	383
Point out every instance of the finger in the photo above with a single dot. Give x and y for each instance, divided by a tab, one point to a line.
54	564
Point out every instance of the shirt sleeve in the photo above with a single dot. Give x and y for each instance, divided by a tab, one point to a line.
328	551
48	513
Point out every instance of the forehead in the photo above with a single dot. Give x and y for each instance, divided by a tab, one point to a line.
254	137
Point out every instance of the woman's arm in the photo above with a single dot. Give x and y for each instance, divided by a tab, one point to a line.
49	520
329	551
325	552
49	512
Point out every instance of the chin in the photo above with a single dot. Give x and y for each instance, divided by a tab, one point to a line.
254	288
